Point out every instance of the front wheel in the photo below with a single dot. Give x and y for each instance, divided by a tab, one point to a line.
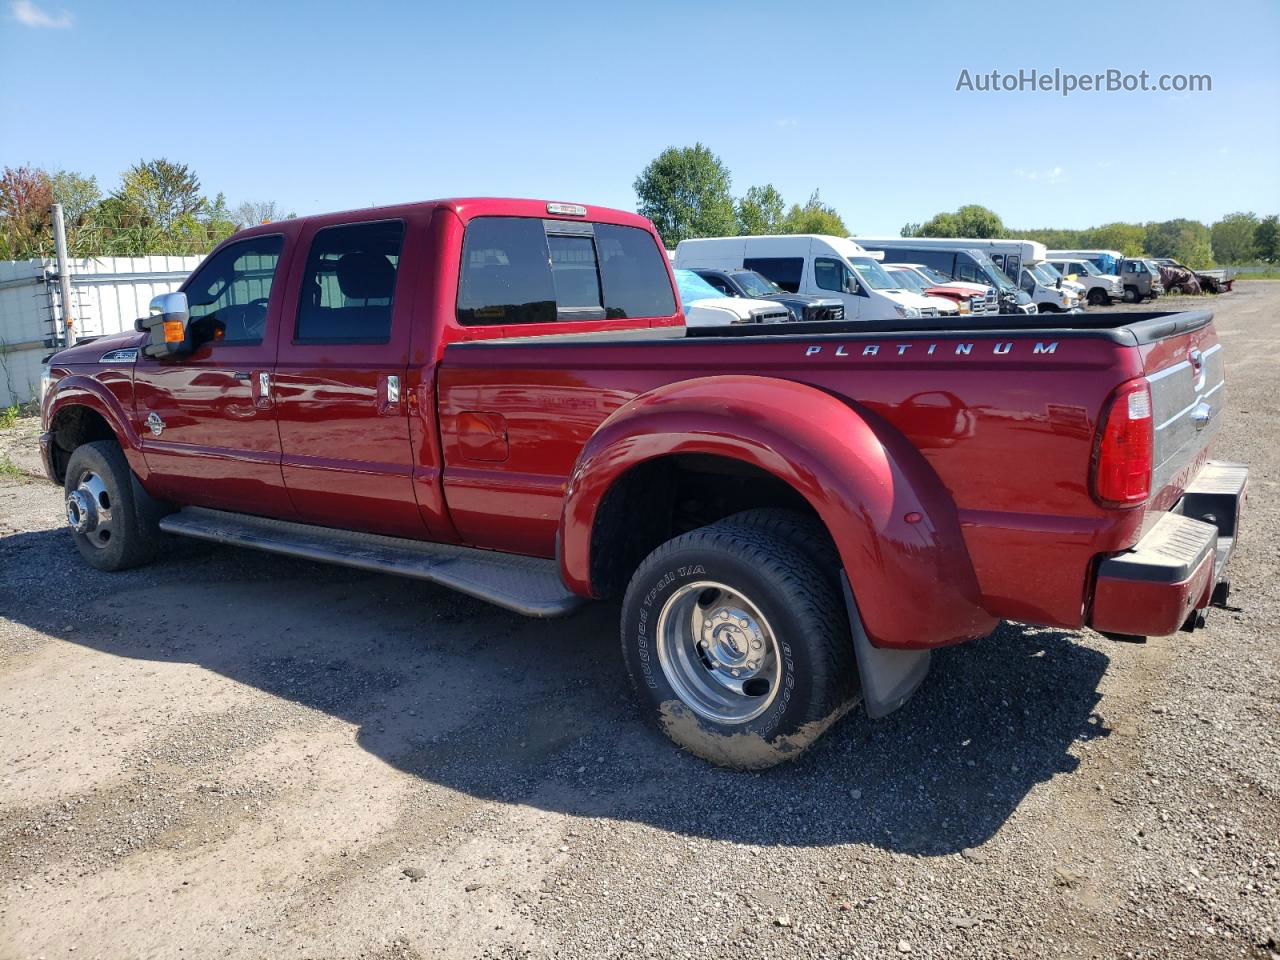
737	643
1131	295
1098	298
111	518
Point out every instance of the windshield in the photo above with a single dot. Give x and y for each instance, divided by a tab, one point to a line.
1047	274
1090	269
693	287
933	276
754	285
909	279
995	276
872	274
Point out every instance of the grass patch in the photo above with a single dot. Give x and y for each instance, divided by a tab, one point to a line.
9	417
10	469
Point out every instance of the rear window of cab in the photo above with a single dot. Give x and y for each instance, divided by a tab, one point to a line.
526	270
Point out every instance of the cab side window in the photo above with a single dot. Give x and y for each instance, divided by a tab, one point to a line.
349	284
230	292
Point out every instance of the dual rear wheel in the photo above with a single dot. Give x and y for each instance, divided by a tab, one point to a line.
737	640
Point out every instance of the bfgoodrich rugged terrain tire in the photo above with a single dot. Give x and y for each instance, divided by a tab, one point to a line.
112	519
737	641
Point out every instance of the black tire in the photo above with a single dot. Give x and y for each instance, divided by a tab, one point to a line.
764	557
1097	297
1131	295
132	536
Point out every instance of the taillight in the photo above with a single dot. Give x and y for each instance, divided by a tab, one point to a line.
1123	452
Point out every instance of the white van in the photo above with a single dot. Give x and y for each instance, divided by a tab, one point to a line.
816	264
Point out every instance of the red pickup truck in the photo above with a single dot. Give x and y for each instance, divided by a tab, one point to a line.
794	516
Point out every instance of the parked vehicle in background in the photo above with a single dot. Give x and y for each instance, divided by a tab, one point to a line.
1100	288
982	298
1045	291
910	280
1141	280
1050	275
1178	275
956	259
1107	261
749	283
705	306
500	396
811	264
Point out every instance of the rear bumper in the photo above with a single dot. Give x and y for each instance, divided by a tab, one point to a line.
1172	572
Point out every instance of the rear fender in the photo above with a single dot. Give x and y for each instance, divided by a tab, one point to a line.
892	521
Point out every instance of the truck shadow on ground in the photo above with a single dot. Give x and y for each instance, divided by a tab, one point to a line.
462	694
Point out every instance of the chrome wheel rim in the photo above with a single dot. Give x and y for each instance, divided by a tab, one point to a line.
89	510
718	652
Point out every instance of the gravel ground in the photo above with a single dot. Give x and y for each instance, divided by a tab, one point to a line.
235	755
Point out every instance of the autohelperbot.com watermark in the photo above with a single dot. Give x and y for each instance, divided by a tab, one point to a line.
1066	83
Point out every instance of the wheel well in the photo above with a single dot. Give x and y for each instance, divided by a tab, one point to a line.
665	497
73	427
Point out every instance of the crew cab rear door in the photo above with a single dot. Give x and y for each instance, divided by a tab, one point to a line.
341	402
207	420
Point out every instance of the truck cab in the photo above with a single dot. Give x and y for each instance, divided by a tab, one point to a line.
1100	288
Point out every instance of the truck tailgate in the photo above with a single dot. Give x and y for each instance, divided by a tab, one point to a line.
1186	373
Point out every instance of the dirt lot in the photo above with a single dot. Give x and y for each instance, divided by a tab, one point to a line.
234	755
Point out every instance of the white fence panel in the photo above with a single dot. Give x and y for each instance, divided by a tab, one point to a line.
109	293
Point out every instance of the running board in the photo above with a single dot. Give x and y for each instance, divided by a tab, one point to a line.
527	585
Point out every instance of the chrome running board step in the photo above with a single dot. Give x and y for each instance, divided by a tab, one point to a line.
527	585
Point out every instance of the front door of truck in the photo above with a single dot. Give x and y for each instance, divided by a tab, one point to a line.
340	390
207	421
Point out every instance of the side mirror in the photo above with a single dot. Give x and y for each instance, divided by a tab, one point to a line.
168	327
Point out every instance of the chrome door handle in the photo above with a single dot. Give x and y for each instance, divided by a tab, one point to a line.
393	390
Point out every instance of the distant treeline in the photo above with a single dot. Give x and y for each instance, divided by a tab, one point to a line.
1235	239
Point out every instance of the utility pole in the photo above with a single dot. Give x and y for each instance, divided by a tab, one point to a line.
64	273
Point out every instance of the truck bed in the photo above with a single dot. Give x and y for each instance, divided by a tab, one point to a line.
1004	410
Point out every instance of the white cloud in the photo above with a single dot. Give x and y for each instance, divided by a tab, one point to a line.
28	14
1052	175
788	122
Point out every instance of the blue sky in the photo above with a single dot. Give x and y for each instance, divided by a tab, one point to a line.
324	106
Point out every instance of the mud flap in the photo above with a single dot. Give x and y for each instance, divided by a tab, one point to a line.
888	677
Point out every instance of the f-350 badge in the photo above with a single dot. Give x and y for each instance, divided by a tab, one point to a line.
155	424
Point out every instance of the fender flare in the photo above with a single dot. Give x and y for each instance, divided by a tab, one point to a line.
913	579
76	390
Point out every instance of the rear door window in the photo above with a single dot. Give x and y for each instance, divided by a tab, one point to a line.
634	273
522	270
349	284
784	271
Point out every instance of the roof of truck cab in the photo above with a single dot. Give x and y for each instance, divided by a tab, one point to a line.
465	208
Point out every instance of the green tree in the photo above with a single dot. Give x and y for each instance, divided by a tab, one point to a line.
1266	239
685	192
760	212
1180	239
161	192
1128	238
814	217
79	195
1233	237
971	220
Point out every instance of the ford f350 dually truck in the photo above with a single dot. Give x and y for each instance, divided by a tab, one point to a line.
500	396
